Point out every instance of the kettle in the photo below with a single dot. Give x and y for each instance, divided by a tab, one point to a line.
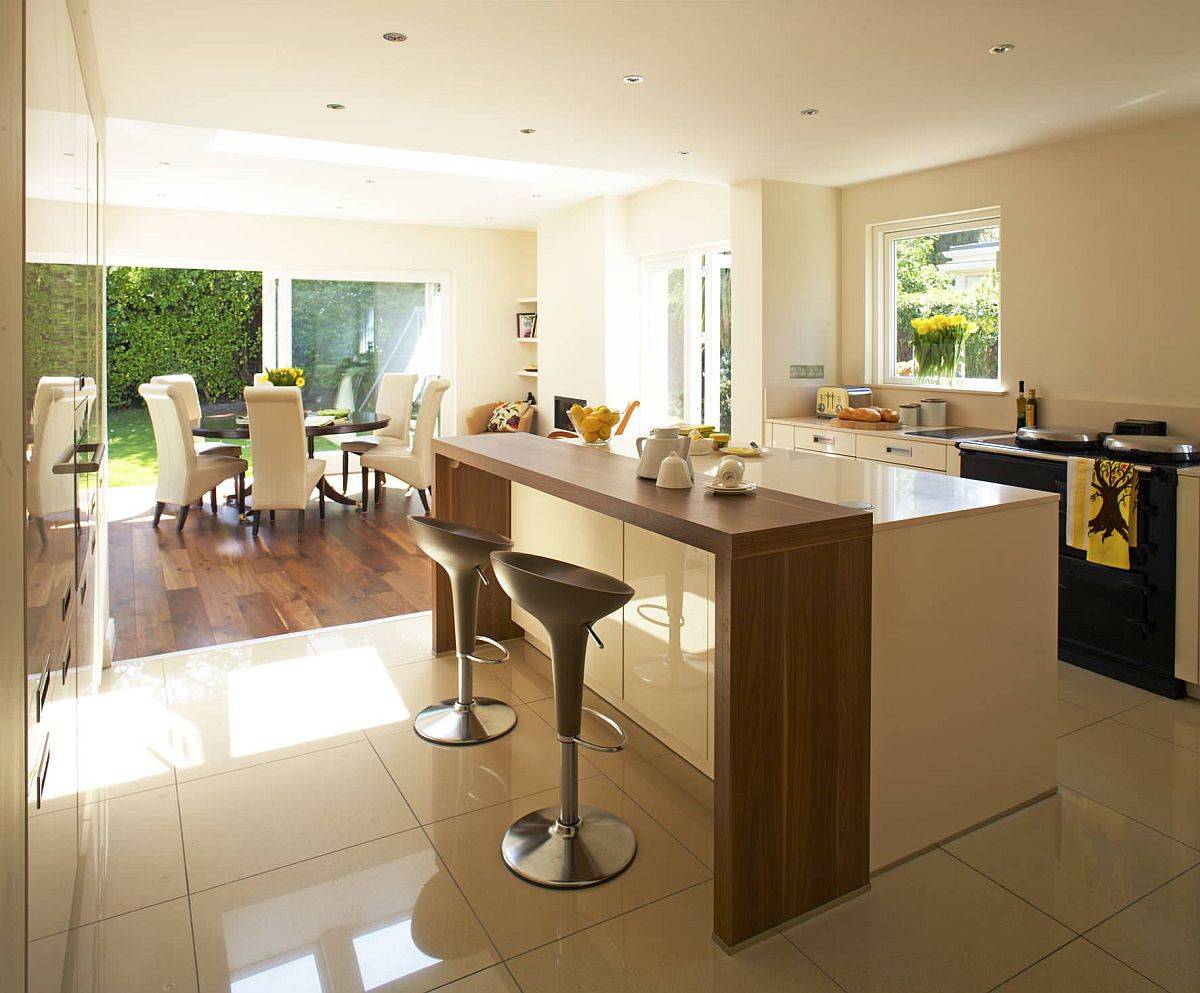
661	443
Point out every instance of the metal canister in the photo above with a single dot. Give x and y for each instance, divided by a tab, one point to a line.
910	414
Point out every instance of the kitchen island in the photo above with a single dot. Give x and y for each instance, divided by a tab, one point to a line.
838	742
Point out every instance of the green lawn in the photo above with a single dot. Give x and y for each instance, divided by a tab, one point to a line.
132	459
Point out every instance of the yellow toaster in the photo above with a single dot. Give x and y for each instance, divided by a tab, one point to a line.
831	399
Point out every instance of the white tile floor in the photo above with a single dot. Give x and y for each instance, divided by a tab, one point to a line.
269	824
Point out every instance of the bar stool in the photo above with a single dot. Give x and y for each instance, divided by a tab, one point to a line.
463	552
567	846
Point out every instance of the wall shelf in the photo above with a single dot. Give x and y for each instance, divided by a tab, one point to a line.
533	340
526	299
527	374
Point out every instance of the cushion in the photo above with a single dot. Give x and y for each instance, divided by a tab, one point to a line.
507	416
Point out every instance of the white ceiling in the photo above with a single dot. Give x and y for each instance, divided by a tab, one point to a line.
900	86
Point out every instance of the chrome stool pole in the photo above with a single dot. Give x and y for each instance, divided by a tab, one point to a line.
568	846
463	552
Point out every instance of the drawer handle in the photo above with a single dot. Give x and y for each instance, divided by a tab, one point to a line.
896	450
821	439
66	602
66	662
43	688
43	770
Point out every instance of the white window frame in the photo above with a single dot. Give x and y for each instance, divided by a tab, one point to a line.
696	304
881	298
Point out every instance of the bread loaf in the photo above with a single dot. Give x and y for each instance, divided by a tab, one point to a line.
859	414
890	415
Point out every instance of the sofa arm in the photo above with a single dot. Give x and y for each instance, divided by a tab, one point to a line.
477	417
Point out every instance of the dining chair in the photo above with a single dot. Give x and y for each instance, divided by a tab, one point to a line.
395	399
191	399
47	493
410	464
184	475
284	475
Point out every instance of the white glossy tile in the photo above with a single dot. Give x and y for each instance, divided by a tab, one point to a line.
131	856
132	673
1176	721
497	979
383	916
676	795
1080	967
1097	693
1143	777
1159	936
147	951
1072	718
209	672
440	781
527	672
1075	859
518	915
932	925
239	823
393	641
666	946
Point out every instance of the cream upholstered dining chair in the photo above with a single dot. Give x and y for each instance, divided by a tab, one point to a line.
395	399
183	475
49	494
284	475
191	400
411	464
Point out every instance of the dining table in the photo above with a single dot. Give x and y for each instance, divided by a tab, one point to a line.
235	426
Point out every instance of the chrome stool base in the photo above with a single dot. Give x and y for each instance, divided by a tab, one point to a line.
538	849
450	723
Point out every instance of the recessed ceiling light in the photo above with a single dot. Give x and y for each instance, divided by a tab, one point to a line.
535	196
161	196
164	163
1003	49
489	218
528	130
395	36
335	106
810	112
684	151
633	78
69	155
376	157
339	208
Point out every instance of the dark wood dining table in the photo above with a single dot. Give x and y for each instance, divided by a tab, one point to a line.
356	422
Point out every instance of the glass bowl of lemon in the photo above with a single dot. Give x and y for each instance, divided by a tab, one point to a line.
594	425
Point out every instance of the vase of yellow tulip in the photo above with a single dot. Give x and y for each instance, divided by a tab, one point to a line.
938	345
286	376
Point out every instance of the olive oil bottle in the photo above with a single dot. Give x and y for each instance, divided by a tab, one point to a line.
1031	411
1021	403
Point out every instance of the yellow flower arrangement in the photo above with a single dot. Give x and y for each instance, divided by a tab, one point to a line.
938	345
286	376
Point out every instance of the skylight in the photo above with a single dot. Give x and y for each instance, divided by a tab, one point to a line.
376	156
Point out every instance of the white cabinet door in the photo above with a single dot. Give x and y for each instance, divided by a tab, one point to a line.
545	525
779	435
669	635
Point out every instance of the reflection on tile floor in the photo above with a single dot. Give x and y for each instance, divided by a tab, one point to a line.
262	820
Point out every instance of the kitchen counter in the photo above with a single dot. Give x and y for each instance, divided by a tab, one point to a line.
831	424
842	675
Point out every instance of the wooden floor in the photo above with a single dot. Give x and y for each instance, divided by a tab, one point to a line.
213	584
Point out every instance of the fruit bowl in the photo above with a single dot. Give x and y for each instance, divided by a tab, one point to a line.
594	425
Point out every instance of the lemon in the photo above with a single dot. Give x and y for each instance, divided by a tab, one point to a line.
591	436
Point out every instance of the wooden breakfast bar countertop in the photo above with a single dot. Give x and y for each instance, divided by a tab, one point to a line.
792	658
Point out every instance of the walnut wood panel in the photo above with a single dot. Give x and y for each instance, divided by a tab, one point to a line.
603	481
471	496
793	701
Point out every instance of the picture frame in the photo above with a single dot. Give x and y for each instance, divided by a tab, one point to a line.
527	325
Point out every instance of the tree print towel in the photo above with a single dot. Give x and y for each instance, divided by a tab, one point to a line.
1112	513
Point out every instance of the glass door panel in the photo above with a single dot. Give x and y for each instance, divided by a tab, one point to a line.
666	338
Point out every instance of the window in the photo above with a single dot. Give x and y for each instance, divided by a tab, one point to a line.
937	302
686	320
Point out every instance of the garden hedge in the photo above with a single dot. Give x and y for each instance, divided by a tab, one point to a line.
205	322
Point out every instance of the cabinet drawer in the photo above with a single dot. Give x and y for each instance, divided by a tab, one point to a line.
779	436
825	440
902	451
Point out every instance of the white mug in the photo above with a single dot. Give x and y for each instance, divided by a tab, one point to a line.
730	471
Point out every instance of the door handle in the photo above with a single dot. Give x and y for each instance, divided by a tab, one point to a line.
43	687
43	771
66	662
69	464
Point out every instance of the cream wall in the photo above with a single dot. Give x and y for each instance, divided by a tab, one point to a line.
677	215
488	271
1100	271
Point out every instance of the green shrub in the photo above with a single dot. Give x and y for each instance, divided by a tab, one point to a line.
205	322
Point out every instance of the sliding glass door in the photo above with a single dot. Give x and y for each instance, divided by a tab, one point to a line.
686	335
346	333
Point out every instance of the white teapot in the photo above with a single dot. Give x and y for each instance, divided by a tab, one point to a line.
661	443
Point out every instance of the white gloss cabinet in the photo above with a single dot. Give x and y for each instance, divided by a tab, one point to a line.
669	637
545	525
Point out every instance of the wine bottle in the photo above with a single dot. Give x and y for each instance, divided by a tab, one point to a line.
1021	407
1031	409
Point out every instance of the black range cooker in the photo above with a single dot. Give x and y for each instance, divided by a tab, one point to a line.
1116	622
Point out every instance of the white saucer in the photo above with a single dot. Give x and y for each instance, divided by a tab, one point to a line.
739	488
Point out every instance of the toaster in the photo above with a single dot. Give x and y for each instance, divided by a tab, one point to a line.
831	399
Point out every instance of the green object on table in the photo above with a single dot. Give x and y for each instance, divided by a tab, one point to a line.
333	412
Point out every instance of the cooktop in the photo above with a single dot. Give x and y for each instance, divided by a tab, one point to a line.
954	433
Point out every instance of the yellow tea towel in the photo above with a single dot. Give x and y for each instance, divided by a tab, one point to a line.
1112	513
1079	488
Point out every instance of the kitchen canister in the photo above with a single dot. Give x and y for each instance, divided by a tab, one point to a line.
910	414
933	412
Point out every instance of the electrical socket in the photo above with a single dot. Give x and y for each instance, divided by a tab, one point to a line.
806	372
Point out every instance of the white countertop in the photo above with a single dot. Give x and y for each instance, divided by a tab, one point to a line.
831	424
899	497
